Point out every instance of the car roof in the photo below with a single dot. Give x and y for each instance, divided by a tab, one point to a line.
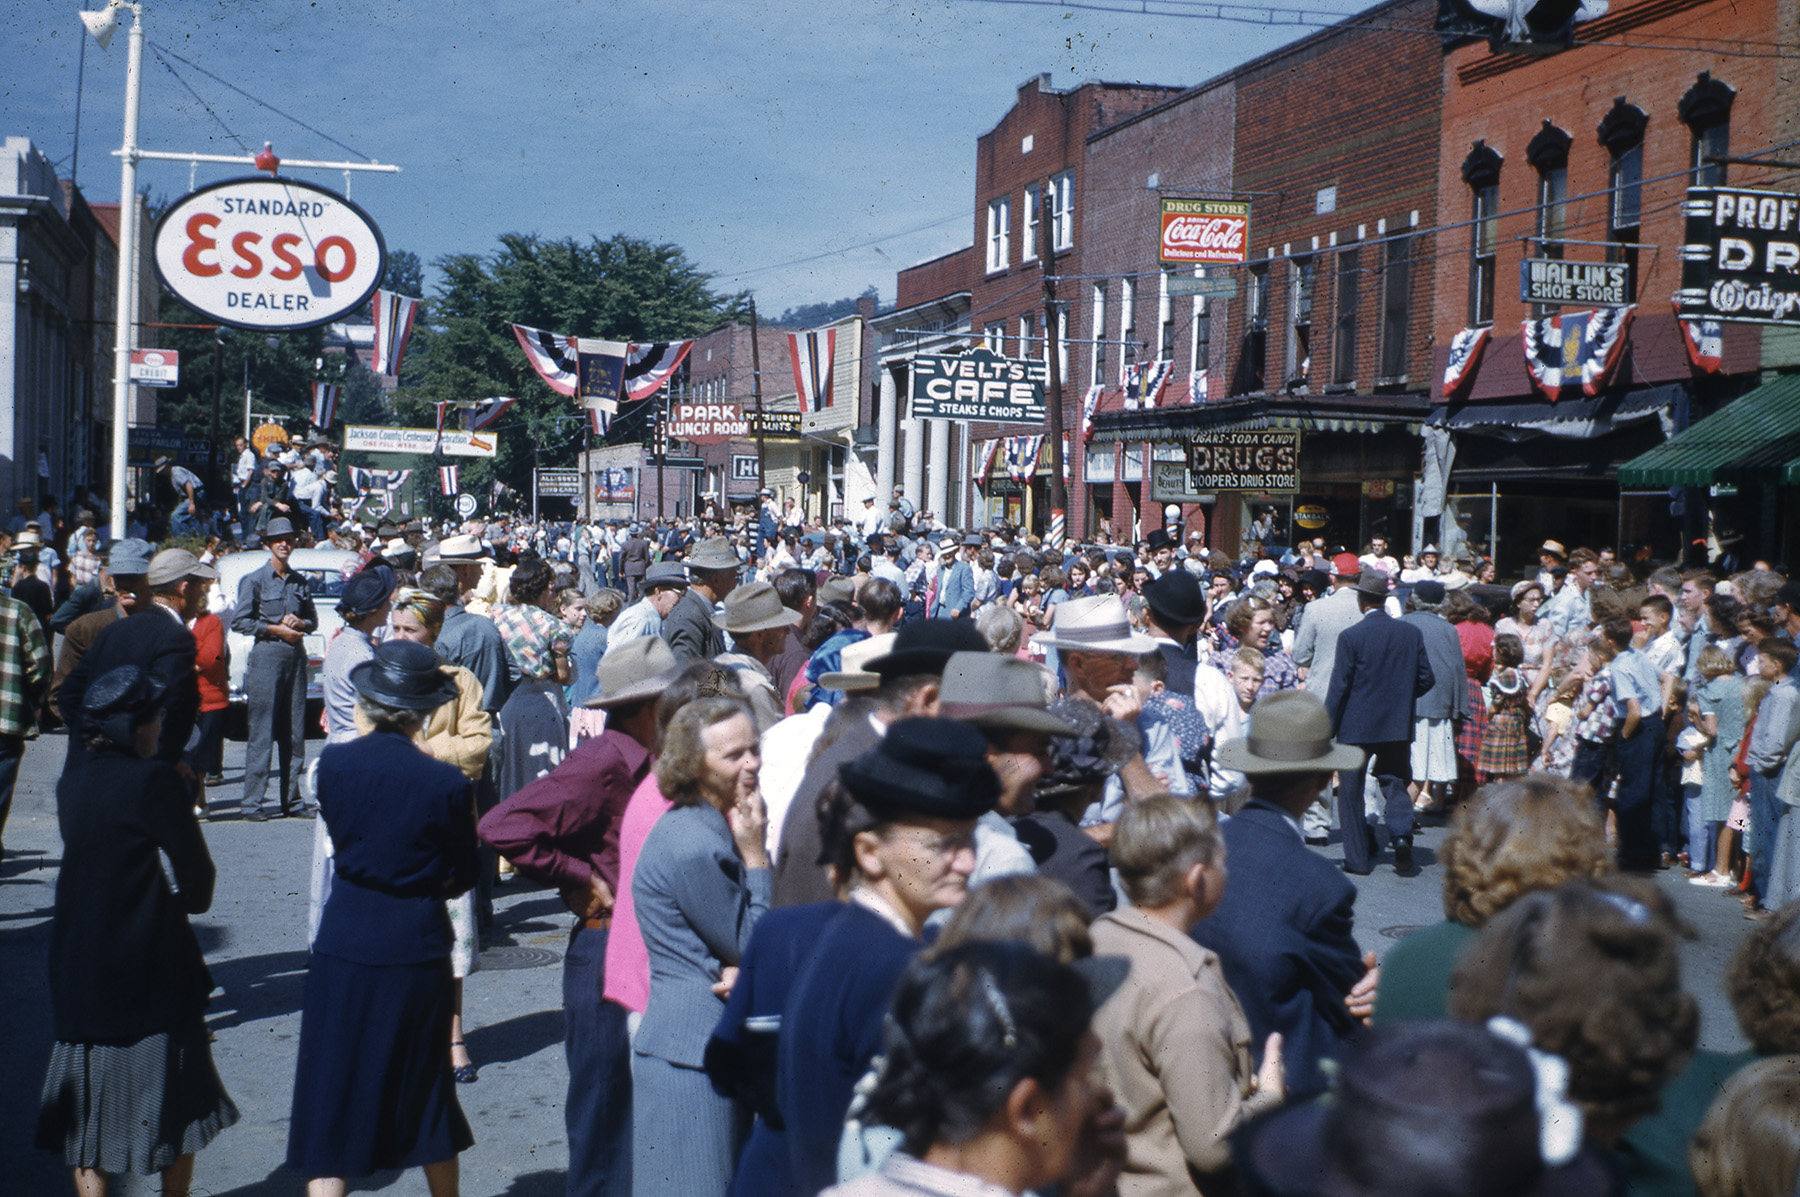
233	566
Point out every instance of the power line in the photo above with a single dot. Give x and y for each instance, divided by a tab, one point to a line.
832	253
162	49
217	119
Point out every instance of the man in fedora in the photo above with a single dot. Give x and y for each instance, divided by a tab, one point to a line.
275	610
713	569
658	592
956	578
563	830
758	623
1284	928
126	583
1380	672
469	639
910	673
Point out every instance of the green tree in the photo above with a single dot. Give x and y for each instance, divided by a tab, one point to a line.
620	289
405	273
816	315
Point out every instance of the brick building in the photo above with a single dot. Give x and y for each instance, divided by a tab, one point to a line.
1584	156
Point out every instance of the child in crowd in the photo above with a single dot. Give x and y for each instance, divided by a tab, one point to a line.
1504	752
1596	716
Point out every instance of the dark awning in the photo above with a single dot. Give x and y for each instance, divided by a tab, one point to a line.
1753	440
1569	419
1258	413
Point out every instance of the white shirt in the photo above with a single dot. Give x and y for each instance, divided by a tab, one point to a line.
639	619
786	750
245	469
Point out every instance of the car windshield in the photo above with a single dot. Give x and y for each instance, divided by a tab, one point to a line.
327	583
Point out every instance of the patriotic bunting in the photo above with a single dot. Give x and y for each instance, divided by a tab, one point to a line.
387	480
447	479
1089	402
1197	386
1022	456
1575	348
1144	383
599	420
812	354
394	315
552	355
988	449
649	367
1465	352
1705	342
325	401
438	439
487	413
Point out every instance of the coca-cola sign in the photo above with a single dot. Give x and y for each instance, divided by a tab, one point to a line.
1212	232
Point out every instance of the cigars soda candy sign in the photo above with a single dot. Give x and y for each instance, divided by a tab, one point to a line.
1213	232
269	253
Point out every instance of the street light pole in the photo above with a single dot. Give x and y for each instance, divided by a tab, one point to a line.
125	310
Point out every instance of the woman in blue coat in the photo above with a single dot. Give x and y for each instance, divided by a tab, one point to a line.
374	1088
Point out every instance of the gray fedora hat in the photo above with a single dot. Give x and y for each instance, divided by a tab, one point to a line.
640	668
278	527
715	553
1289	732
666	573
994	691
754	607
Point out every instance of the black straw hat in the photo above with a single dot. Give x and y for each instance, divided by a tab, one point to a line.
935	767
1176	597
117	701
404	674
926	646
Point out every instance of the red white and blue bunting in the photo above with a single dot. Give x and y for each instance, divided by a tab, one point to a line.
813	354
447	479
1022	456
1465	353
1144	384
1575	349
1705	342
325	403
394	314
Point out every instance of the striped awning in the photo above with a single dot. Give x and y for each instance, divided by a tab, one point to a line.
1181	423
1754	440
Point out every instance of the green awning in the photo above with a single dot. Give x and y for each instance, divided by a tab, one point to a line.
1754	440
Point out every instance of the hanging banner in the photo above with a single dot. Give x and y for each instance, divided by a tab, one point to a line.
1204	231
269	253
978	385
1740	260
369	438
1264	461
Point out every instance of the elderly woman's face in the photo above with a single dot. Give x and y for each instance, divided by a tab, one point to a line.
732	763
1261	624
922	864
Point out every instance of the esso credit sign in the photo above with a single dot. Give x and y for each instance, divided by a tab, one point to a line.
269	253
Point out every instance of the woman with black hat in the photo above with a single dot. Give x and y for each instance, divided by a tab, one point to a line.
901	826
131	1085
374	1088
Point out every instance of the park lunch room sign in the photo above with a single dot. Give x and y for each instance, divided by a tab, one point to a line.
272	254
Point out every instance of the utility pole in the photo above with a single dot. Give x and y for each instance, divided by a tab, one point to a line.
756	385
212	456
1059	498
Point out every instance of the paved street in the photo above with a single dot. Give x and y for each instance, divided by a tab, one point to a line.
255	940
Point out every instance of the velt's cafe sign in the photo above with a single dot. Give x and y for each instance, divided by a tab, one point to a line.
978	385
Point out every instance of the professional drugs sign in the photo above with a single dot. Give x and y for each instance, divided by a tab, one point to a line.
1216	231
1262	461
271	254
1740	259
979	385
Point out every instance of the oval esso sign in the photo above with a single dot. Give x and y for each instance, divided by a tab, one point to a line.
269	253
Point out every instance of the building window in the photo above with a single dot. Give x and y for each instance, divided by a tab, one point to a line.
1622	135
1396	309
999	238
1098	376
1165	320
1343	335
1706	111
1200	347
1300	308
1033	209
993	338
1027	334
1128	343
1548	154
1062	342
1252	367
1062	210
1481	171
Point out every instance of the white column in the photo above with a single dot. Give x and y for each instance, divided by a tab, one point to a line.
914	470
938	491
886	424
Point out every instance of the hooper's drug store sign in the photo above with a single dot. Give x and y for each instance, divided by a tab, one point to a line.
1740	258
1262	461
269	253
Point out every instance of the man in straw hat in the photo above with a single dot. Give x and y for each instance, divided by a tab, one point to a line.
758	623
1283	930
713	569
563	830
469	639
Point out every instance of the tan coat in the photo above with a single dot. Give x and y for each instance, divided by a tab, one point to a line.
1176	1052
457	733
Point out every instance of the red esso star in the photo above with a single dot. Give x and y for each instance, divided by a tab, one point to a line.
267	159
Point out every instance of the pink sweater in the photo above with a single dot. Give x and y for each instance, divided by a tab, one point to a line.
627	960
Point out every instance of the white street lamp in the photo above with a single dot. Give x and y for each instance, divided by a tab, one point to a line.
125	313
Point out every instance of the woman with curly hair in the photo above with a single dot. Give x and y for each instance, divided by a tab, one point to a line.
1250	623
1592	969
1749	1145
1513	838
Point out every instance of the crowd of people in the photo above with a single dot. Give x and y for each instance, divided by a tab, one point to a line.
906	859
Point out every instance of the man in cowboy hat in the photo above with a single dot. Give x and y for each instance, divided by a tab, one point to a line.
563	830
276	611
758	622
910	674
1283	929
1380	672
713	569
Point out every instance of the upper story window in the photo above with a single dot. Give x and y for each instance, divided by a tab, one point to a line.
1706	111
993	339
1128	342
1622	134
1062	210
1396	310
999	233
1252	368
1481	171
1027	335
1548	154
1301	275
1165	319
1034	203
1200	348
1343	334
1098	375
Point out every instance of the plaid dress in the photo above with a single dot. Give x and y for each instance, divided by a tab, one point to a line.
1503	748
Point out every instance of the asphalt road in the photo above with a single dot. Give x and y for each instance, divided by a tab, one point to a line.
255	941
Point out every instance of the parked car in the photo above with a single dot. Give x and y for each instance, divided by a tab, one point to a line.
324	571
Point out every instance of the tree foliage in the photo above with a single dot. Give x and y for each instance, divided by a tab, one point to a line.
816	315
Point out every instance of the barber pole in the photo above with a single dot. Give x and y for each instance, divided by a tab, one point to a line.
1054	537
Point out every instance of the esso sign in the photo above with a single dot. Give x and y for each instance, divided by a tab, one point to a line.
269	253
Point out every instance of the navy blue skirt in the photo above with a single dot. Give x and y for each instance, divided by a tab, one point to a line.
374	1089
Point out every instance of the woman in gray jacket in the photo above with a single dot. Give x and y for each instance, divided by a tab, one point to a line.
701	883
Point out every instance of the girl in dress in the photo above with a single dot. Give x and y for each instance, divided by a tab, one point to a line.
1504	752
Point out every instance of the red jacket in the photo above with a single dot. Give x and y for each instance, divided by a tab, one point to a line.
211	662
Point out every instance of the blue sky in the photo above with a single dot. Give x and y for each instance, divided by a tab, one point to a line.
751	135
